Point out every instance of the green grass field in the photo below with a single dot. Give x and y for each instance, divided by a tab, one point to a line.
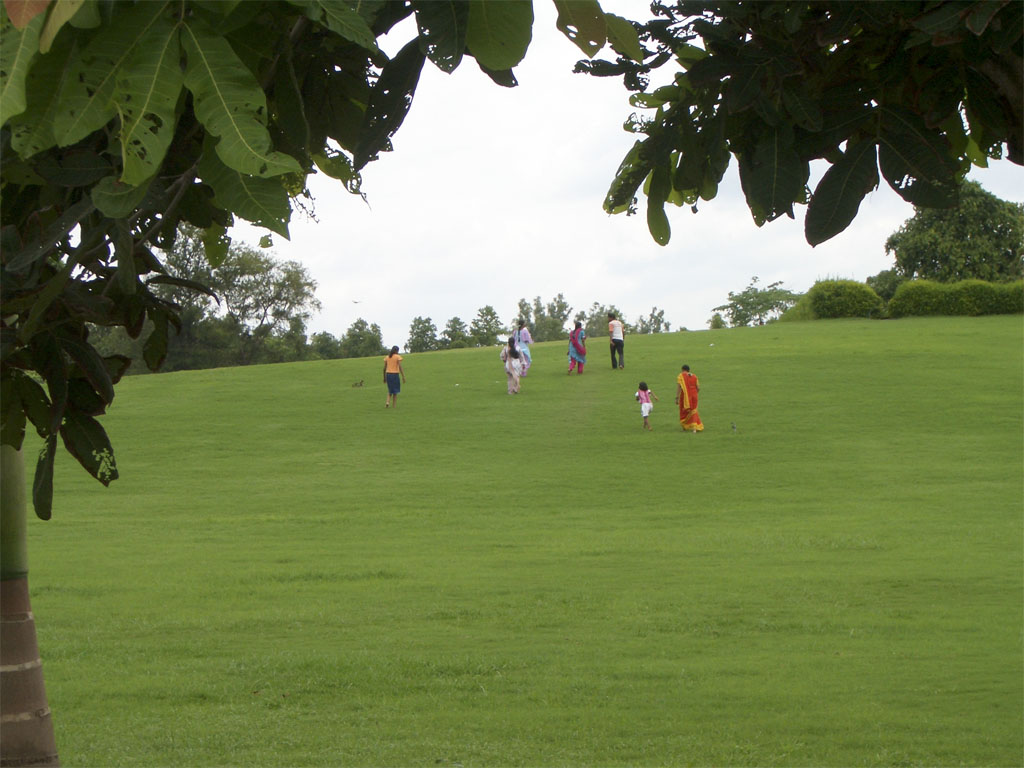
287	574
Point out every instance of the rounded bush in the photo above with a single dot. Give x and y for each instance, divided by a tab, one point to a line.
843	298
918	298
971	297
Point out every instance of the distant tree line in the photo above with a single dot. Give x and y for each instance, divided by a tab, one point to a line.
249	308
546	322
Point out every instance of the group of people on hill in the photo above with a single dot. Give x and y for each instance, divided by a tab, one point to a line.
516	358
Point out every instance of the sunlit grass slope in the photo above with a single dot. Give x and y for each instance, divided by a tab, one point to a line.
287	574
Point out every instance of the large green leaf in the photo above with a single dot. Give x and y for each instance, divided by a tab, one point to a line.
499	32
146	94
87	441
42	246
743	88
33	130
944	18
916	161
35	404
583	22
657	194
216	244
623	37
42	482
631	173
264	202
74	167
390	101
231	105
154	351
86	99
338	166
17	49
91	365
802	108
61	13
50	364
341	18
774	178
442	26
838	195
116	199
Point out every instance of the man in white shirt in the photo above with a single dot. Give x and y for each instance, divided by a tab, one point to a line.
617	339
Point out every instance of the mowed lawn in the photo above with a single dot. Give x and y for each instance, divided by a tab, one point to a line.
287	574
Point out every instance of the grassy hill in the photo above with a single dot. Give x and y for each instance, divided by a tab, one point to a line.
289	574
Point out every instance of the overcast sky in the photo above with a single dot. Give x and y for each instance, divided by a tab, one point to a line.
494	194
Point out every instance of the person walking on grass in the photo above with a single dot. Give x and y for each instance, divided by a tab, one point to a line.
523	342
577	348
616	339
643	396
687	387
513	360
394	376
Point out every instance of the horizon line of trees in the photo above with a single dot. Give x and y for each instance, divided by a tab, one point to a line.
250	308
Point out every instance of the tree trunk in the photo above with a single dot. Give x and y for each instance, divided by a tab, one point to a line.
26	726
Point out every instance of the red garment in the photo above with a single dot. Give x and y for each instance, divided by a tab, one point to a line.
689	386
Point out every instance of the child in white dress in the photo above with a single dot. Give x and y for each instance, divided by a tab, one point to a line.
643	396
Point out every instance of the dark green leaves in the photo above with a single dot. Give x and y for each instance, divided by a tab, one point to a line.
773	177
499	33
864	86
582	21
390	101
231	105
86	101
261	201
916	161
87	441
18	47
147	93
442	26
658	192
839	193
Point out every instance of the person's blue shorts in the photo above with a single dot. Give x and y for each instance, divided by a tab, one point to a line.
394	383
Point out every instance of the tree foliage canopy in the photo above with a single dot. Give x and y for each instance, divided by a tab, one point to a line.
362	339
757	305
121	120
913	91
422	335
981	238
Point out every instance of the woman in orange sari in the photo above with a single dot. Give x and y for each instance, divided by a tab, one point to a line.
687	387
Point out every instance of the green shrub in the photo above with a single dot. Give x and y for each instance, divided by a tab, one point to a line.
970	297
843	298
799	312
1009	298
717	322
919	298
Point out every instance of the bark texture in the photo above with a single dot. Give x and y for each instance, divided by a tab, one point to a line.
26	725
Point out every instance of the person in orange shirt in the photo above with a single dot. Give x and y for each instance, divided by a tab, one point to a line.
392	372
687	387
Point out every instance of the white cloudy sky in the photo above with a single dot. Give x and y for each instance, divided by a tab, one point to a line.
494	194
